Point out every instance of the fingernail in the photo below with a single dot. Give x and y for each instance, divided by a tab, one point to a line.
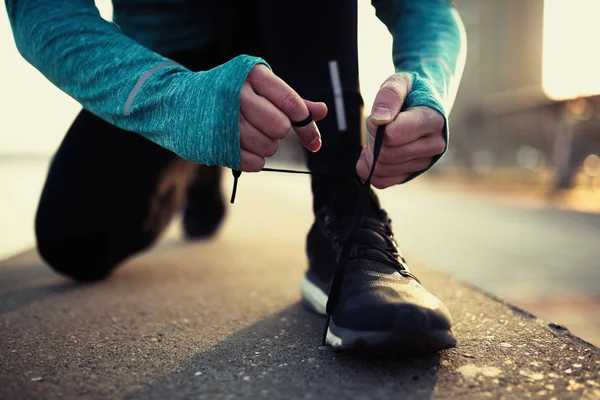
315	144
381	113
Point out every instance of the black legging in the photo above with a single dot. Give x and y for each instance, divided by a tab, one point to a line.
110	193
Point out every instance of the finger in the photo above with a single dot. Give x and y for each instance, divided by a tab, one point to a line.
274	89
410	125
388	170
384	182
255	141
317	110
250	162
424	147
263	115
390	98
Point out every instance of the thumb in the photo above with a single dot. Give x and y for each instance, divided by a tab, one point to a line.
390	98
317	110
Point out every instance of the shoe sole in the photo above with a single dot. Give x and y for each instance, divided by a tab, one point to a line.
379	342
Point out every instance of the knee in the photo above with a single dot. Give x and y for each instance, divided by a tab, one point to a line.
78	256
84	249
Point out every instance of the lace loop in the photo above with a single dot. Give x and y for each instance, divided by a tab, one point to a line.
363	195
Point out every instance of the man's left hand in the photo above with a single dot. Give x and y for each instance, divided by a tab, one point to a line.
413	138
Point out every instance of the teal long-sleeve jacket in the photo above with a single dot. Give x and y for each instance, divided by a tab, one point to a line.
116	70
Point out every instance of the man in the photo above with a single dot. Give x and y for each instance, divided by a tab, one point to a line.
168	91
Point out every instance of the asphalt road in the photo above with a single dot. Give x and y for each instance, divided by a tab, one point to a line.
221	319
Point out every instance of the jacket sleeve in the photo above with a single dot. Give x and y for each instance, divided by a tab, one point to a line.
429	44
194	114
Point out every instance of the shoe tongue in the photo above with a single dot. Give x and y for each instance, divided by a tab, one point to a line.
347	198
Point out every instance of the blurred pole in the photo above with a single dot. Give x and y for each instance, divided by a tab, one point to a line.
563	143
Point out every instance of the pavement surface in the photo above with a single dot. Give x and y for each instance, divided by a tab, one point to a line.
222	319
538	253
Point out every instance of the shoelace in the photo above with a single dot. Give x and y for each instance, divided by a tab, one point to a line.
363	195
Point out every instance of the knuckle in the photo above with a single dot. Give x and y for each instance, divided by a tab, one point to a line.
390	89
256	73
438	122
261	164
405	80
439	146
253	72
292	104
391	135
271	148
378	183
246	91
423	164
281	128
399	82
433	119
420	117
257	164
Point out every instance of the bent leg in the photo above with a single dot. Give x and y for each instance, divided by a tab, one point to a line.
109	193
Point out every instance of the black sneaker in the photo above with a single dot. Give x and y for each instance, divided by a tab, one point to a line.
381	306
204	208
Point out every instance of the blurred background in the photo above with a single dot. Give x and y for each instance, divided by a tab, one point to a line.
513	208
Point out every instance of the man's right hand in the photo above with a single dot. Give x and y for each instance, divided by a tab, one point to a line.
267	107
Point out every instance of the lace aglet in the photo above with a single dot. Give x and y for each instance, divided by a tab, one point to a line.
236	174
